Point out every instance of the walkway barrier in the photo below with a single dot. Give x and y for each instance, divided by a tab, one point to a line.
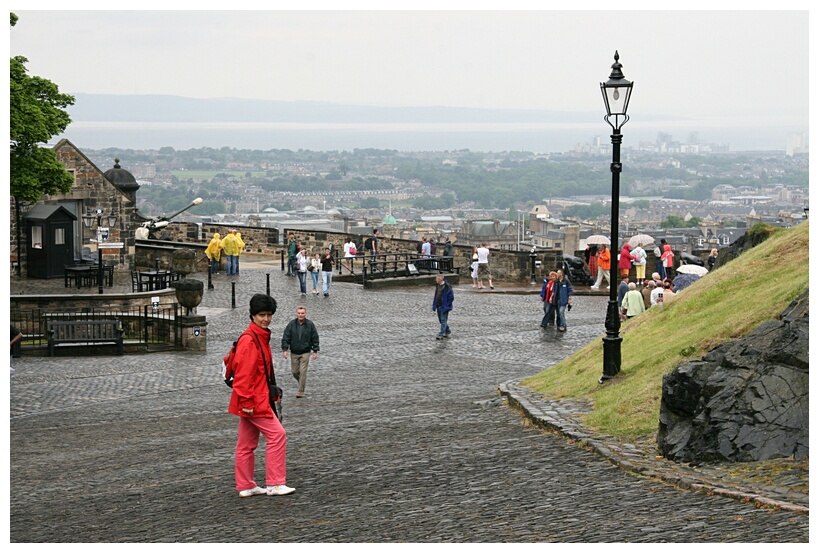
403	265
148	328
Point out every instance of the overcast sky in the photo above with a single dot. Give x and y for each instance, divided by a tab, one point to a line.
685	63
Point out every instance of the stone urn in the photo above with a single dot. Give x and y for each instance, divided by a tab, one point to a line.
188	291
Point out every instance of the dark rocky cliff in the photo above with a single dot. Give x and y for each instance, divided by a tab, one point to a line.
745	400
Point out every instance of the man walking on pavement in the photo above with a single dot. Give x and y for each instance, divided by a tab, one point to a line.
483	266
442	305
300	338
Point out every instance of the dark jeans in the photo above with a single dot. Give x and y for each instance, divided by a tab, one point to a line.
443	317
548	314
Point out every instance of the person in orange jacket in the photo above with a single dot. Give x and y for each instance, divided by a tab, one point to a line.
603	267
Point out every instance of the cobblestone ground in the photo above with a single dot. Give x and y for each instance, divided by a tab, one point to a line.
400	438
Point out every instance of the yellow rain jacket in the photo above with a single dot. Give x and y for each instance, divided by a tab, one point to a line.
241	243
214	248
230	244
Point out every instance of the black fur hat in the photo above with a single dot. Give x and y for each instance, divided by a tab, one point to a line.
261	302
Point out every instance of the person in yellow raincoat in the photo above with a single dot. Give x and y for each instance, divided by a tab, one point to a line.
213	251
231	247
241	249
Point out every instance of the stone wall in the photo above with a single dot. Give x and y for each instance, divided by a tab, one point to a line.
98	301
513	266
90	190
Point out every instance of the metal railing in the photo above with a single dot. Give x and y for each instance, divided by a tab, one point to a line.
156	328
403	265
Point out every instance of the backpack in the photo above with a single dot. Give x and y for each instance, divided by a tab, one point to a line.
228	372
227	362
368	243
637	257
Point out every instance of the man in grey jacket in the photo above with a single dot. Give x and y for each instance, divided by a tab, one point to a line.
300	338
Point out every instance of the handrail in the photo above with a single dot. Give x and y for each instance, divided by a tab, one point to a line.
395	265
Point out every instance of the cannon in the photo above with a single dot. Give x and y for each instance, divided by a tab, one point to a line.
149	228
575	268
688	259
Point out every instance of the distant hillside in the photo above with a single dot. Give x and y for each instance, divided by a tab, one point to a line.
177	109
724	305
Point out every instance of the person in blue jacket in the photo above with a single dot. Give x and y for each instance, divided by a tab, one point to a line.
562	298
442	305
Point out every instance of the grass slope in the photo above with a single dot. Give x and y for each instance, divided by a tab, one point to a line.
722	306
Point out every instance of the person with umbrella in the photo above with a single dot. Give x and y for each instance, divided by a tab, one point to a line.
603	267
639	261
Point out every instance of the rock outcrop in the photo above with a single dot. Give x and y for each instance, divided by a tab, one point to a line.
745	400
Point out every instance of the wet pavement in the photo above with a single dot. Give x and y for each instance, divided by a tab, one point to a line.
400	438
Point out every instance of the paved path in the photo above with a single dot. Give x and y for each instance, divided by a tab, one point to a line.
401	438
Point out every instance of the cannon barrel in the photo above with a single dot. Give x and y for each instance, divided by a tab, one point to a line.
197	201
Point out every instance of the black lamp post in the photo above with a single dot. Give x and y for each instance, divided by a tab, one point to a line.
89	219
616	94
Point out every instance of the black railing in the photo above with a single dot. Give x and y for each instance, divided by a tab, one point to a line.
392	265
156	328
403	265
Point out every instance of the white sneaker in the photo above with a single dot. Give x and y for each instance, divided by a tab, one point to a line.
253	491
595	287
281	489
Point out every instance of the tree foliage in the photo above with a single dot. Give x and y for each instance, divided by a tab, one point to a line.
36	114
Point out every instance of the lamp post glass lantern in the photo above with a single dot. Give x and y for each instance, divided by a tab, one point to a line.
616	96
89	220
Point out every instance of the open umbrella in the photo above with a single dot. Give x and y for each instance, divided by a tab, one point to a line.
597	239
692	270
684	281
640	239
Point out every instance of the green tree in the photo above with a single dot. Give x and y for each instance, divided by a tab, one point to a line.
36	114
370	203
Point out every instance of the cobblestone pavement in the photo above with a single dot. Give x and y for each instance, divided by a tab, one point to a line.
400	438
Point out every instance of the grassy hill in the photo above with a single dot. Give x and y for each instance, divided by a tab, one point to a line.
722	306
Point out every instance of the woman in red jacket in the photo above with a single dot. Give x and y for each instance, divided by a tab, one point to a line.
624	263
250	401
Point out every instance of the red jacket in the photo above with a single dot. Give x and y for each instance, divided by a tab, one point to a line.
667	257
625	257
250	389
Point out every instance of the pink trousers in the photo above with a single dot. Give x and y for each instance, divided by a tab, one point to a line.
275	451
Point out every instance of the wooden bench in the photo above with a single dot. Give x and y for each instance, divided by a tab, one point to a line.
85	333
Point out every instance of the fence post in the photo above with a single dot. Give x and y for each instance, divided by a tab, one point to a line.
268	283
233	295
145	323
281	254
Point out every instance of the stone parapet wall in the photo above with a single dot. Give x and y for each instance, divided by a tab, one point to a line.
506	265
96	301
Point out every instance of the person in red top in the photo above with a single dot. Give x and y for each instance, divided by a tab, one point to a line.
250	401
547	295
624	264
603	267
